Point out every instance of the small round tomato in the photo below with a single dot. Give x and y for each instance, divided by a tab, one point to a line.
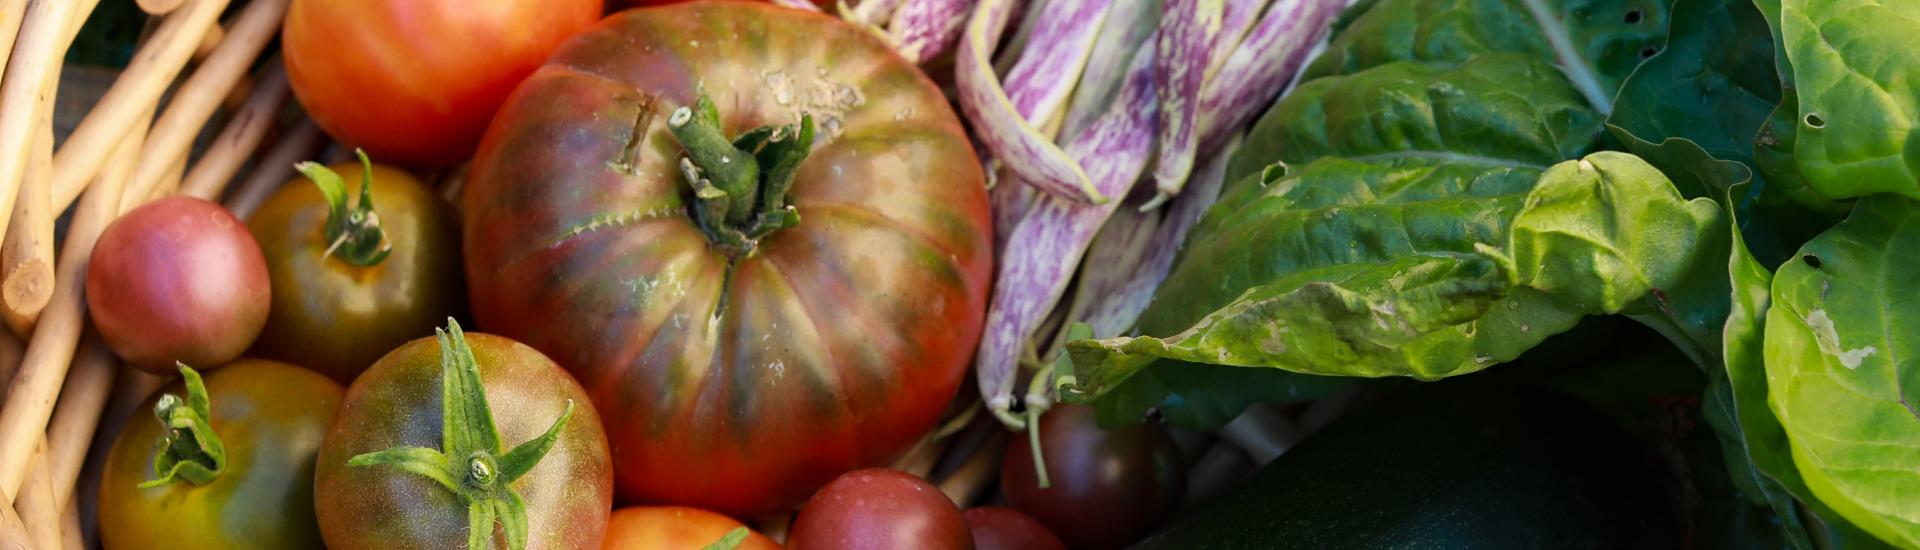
356	281
1109	487
879	509
520	459
1000	528
415	81
675	528
229	464
178	279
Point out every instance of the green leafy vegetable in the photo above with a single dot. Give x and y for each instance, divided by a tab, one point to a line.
1840	367
1858	118
1600	233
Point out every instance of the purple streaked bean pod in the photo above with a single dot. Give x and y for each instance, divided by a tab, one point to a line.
1186	41
1000	118
1119	293
925	29
1235	21
1261	66
1010	202
1128	24
798	4
1048	242
868	12
1111	259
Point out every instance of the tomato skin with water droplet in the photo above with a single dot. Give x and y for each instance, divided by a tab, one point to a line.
834	346
178	279
879	509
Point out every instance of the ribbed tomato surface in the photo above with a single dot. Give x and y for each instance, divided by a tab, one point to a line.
735	382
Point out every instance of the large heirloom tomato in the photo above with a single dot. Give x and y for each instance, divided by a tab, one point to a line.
744	345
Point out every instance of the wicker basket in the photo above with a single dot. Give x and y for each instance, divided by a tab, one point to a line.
204	109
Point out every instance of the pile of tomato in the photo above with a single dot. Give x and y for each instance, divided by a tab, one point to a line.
722	261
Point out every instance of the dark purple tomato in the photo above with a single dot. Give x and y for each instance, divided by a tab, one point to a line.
1001	528
1110	487
179	279
879	509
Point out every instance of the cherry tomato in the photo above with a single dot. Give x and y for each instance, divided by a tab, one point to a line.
675	528
415	81
394	274
397	471
879	509
267	418
178	279
1110	487
1000	528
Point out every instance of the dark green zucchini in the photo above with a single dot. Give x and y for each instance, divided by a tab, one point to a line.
1456	465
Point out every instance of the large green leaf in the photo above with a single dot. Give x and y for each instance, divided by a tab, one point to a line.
1843	366
1761	460
1712	84
1605	231
1600	41
1857	74
1419	132
1596	235
1603	37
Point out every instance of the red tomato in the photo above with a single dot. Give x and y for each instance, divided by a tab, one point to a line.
415	81
616	5
178	279
998	528
674	528
1110	487
879	509
735	377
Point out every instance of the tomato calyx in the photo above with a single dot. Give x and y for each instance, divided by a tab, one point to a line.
189	451
740	185
729	541
353	233
482	475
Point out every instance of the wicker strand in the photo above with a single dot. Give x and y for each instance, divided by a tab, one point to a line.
35	502
77	414
30	403
196	100
275	168
26	253
11	14
137	91
242	136
26	92
72	535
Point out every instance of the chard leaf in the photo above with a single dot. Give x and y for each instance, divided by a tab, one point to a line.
1712	84
1395	318
1420	131
1607	230
1600	233
1606	36
1858	115
1841	370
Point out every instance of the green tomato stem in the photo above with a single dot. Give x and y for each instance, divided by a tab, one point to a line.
740	186
353	233
482	475
190	451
